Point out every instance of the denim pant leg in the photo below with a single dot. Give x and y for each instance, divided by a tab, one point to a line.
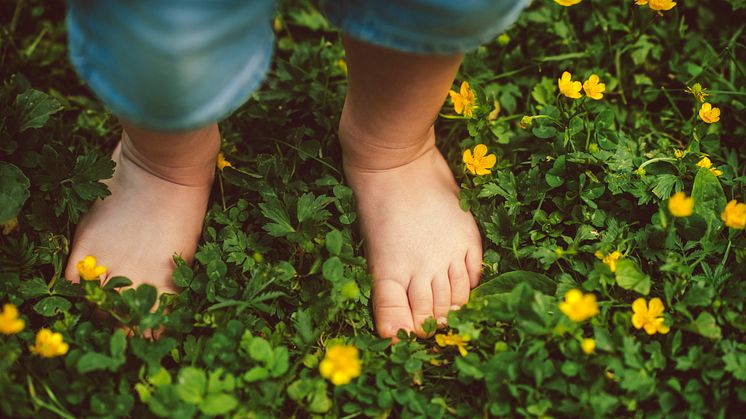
424	26
171	64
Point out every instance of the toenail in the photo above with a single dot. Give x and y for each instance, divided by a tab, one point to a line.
442	321
455	307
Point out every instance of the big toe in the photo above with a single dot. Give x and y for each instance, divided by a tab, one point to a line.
391	308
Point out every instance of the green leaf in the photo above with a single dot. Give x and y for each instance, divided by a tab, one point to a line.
333	270
218	404
117	282
191	385
35	107
256	374
629	277
504	283
94	361
50	306
33	288
14	191
260	349
709	198
334	242
706	326
118	344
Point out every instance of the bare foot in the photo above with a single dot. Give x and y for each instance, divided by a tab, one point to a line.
423	250
155	210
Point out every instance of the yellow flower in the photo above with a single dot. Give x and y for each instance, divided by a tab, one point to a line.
707	164
734	215
709	114
697	91
88	270
649	316
457	340
578	306
593	88
680	205
610	259
342	64
222	162
568	87
480	162
567	3
49	344
659	5
340	364
678	153
9	322
641	2
588	345
465	101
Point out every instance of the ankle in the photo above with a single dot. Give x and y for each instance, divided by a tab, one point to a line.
382	148
186	159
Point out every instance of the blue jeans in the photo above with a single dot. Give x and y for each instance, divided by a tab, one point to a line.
173	65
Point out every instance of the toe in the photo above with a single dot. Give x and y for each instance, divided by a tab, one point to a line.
474	264
421	300
441	298
391	308
458	277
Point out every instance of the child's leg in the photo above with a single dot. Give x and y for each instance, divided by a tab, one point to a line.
171	69
424	251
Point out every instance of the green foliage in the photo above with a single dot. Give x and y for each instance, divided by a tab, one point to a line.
279	275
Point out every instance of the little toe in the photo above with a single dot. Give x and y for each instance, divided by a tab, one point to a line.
391	308
458	277
474	264
421	300
441	299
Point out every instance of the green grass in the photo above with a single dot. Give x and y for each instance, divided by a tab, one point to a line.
280	275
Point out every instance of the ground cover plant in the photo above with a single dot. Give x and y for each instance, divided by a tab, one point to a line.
600	146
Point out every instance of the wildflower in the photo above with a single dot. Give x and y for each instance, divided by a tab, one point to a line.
649	316
9	226
457	340
342	64
679	205
610	259
49	344
88	270
588	345
707	164
567	3
568	87
697	91
659	5
340	364
9	322
709	114
578	306
465	101
480	162
734	215
593	88
526	121
222	162
678	153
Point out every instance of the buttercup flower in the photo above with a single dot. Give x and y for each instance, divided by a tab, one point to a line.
593	88
567	3
568	87
734	215
697	91
457	340
49	344
465	101
707	164
588	345
649	316
222	163
709	114
659	5
88	270
341	364
610	259
678	153
480	162
9	322
578	306
680	205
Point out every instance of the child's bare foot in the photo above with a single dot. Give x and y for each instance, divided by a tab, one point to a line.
155	210
424	252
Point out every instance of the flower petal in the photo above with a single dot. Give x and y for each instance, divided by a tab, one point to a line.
480	151
655	308
639	306
488	162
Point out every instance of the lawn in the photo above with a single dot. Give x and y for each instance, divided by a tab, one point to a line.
613	280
